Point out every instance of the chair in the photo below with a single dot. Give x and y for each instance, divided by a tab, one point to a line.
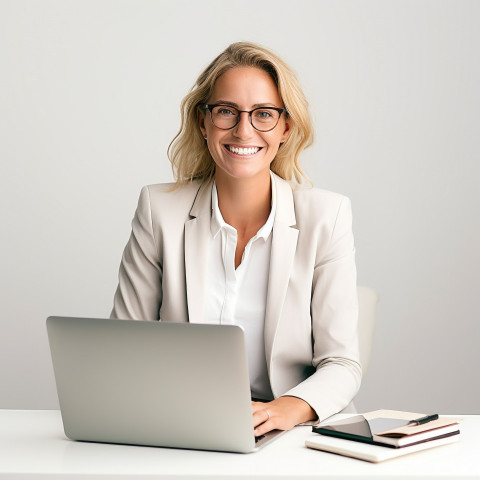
367	306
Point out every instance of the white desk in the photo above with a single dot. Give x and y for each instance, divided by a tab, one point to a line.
33	446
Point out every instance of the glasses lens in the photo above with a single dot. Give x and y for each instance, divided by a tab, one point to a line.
265	119
224	116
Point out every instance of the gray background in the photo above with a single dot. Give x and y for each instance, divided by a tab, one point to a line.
89	101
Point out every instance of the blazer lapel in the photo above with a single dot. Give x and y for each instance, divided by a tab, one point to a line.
197	236
284	244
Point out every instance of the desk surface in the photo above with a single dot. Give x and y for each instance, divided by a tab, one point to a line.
33	446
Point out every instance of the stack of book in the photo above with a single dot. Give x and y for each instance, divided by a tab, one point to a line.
384	434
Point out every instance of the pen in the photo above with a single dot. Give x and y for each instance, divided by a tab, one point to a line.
422	420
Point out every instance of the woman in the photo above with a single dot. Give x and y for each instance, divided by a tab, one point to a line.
238	239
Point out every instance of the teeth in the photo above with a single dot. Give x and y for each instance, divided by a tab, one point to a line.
243	151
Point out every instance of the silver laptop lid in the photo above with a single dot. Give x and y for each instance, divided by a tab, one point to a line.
152	383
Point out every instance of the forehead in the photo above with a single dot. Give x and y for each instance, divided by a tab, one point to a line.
246	86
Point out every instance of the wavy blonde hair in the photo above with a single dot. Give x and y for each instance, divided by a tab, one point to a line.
188	152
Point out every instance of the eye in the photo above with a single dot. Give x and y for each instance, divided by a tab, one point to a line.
225	111
263	114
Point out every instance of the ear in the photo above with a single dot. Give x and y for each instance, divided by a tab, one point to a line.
201	122
287	129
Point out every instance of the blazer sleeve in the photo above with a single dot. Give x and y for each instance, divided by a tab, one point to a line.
139	292
334	315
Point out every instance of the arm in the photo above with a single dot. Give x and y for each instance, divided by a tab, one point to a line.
334	317
334	313
139	291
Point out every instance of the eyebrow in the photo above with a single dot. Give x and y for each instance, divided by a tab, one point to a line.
233	104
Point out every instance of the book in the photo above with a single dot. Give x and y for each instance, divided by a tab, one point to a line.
370	452
389	428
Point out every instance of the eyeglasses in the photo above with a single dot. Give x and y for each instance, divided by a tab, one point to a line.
227	117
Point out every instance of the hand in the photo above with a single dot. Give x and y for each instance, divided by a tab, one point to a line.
283	413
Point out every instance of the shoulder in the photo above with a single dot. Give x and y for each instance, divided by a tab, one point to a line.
165	208
322	218
312	203
317	197
168	197
171	191
317	209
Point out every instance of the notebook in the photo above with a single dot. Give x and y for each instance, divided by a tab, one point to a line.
368	452
391	428
348	437
153	383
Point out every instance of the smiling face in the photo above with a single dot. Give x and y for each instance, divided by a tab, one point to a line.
243	152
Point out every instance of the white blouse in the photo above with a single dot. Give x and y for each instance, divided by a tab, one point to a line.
238	296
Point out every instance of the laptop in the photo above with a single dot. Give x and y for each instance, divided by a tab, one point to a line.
160	384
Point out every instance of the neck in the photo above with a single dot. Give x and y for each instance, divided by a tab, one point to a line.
245	203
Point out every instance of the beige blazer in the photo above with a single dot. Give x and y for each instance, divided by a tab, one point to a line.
311	340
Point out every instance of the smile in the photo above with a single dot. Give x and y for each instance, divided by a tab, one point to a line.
242	150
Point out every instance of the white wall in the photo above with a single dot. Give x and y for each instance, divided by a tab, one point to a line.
89	96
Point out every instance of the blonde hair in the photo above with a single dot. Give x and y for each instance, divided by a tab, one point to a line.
188	152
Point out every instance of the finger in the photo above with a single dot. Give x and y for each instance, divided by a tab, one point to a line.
264	428
261	416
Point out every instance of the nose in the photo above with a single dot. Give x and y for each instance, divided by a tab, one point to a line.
244	128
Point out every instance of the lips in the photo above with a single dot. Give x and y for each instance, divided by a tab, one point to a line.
243	150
